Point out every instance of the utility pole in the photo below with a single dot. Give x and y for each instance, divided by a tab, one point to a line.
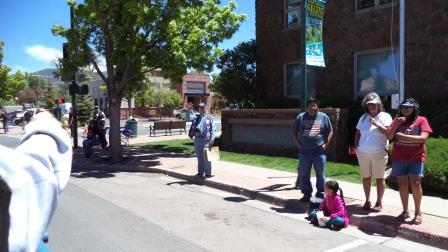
74	91
402	47
303	56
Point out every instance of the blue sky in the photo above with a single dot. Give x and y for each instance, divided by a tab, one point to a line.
25	27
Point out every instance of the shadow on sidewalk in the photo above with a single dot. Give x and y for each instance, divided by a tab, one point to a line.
275	188
236	199
182	183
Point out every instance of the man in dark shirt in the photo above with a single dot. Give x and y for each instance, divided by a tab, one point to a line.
312	132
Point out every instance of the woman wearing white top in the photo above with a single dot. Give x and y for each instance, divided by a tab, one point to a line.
371	144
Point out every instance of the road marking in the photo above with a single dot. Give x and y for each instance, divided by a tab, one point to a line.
348	246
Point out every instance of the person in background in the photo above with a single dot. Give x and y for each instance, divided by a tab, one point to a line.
34	183
27	117
204	136
409	131
92	139
190	113
335	215
371	147
100	118
312	132
4	117
70	122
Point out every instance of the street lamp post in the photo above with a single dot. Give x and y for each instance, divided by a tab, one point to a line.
303	56
73	93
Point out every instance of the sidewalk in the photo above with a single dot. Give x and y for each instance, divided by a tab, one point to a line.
277	187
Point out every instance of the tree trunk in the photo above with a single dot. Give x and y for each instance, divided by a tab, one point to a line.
114	131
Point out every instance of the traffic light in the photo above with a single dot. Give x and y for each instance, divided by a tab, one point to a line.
84	90
73	89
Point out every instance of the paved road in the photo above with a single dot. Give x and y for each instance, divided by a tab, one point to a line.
10	141
149	212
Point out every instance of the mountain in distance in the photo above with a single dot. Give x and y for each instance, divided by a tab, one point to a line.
49	74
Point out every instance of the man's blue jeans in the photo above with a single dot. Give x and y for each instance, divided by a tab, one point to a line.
204	166
318	159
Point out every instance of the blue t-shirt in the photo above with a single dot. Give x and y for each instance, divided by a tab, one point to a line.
312	130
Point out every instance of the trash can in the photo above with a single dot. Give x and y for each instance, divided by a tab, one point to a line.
132	126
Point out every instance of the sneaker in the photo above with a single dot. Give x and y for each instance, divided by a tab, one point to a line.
319	195
378	207
209	176
305	199
199	176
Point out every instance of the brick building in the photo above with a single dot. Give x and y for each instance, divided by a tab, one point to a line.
361	41
195	88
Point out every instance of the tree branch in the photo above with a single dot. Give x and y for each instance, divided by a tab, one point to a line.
95	65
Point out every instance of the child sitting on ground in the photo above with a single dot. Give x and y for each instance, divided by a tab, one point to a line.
335	215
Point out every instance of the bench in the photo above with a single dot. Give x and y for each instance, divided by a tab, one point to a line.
168	126
179	125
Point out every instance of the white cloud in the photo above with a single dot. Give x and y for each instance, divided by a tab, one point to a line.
43	53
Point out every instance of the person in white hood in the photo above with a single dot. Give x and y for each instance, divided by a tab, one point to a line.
32	176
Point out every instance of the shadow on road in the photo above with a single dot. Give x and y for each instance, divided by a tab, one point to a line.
135	159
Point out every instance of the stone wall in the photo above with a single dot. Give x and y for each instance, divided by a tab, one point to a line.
268	132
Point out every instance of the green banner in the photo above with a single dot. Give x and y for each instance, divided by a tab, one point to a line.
313	32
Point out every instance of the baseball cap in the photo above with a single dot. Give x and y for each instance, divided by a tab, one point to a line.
373	101
201	105
407	103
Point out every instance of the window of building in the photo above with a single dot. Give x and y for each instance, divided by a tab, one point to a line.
365	4
293	80
292	13
377	71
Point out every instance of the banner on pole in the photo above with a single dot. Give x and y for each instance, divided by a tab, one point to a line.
314	48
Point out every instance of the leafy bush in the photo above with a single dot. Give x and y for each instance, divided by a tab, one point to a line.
436	166
436	112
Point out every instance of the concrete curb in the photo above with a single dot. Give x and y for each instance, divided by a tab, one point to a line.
405	231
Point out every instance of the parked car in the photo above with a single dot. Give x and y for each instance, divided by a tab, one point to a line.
18	116
182	114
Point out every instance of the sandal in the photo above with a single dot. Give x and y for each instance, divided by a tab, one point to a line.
403	216
367	206
417	219
378	207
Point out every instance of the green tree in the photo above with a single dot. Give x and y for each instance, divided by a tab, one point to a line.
85	108
237	79
136	36
28	95
3	75
47	100
16	83
37	83
143	98
62	91
172	99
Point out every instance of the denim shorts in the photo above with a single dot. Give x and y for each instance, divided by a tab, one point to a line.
411	168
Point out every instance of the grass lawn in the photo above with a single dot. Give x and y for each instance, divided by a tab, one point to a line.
338	171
